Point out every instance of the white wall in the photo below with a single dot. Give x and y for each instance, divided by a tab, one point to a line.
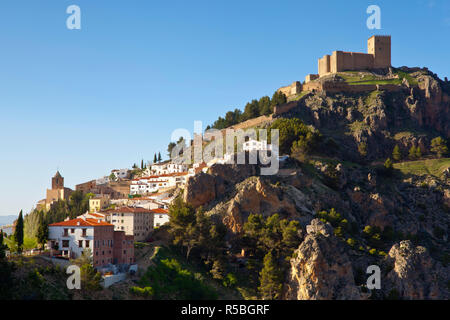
57	233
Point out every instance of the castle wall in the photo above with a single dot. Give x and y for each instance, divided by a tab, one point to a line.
311	77
380	48
325	65
285	107
349	61
378	56
294	88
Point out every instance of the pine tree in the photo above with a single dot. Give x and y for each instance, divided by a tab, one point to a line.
142	164
2	247
396	154
159	157
362	149
6	269
42	233
155	159
18	235
418	153
270	279
438	146
388	165
412	153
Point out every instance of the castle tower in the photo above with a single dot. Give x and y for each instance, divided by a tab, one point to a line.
380	48
57	181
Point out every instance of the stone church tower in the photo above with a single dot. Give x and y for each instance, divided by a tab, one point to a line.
57	181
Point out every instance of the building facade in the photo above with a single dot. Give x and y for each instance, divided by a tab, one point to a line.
161	217
98	203
71	238
137	222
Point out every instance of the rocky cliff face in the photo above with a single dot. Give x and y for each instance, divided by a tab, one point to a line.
324	268
415	275
321	268
383	118
407	213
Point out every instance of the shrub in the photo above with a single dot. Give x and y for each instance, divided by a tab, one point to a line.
230	280
143	292
351	242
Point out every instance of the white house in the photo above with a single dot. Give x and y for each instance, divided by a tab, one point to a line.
151	184
166	168
71	237
121	173
102	180
161	217
255	145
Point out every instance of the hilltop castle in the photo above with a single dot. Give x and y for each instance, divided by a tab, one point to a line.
378	57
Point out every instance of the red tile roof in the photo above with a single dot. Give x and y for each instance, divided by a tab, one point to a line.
160	211
129	210
177	174
79	222
97	215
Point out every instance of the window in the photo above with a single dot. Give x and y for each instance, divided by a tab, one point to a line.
65	243
87	243
84	232
80	243
66	232
72	230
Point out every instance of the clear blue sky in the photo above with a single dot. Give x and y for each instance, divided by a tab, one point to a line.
108	95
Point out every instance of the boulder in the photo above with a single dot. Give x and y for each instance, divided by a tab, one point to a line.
415	275
321	268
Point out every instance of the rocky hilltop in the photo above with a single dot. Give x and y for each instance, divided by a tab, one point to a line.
409	110
353	211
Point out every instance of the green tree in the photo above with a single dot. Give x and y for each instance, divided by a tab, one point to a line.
278	98
6	269
412	154
270	279
265	106
170	148
251	110
396	154
159	157
291	130
362	149
388	164
18	235
90	279
418	153
42	233
112	177
155	159
2	246
439	146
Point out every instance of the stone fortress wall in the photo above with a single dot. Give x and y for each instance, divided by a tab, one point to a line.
378	56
